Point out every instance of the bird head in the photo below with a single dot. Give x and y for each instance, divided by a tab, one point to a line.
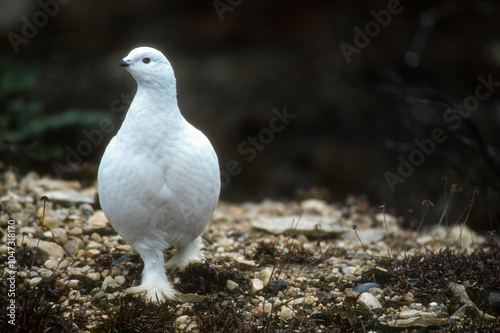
149	67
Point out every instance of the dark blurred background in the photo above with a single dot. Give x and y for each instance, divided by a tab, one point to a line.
237	61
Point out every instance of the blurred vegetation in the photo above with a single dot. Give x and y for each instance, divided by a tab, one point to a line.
28	132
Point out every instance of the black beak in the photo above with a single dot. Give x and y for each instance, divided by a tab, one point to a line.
124	64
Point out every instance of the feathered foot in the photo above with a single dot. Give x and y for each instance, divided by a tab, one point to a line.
185	255
155	283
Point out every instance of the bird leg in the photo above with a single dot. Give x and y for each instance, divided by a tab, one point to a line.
185	254
155	283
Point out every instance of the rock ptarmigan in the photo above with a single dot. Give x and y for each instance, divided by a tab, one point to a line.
159	179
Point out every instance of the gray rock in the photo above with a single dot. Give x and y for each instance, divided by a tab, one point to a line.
46	248
120	279
460	293
60	236
109	282
100	294
306	225
494	299
73	246
56	184
86	209
363	288
275	286
68	198
418	321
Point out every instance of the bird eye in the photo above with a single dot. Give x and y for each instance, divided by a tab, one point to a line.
146	60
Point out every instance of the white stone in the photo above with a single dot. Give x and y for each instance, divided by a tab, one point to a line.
265	275
109	282
231	285
51	264
73	284
349	270
183	320
409	314
296	301
35	281
257	285
369	302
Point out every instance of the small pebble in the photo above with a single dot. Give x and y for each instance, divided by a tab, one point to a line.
35	281
115	271
96	237
231	285
92	253
74	295
86	209
109	282
95	276
286	312
73	246
349	270
60	236
76	231
265	275
257	285
369	302
276	286
73	284
120	279
51	264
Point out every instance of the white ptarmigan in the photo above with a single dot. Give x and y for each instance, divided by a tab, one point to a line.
159	179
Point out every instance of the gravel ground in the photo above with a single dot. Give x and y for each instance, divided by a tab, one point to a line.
268	267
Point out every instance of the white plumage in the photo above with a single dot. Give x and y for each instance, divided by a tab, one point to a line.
159	178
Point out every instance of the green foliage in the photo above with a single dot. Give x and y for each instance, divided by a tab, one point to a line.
25	123
26	128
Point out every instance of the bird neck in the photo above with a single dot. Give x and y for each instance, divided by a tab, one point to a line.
160	94
154	111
